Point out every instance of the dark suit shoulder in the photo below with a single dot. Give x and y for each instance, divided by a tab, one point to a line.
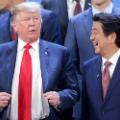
48	15
80	16
7	46
46	12
92	61
5	12
53	45
47	3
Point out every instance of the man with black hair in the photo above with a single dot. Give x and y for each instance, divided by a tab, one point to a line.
101	81
78	37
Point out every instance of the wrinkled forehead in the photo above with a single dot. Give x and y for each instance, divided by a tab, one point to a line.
28	14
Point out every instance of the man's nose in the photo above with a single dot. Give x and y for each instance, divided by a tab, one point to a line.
31	21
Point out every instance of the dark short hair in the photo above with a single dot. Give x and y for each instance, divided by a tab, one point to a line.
110	23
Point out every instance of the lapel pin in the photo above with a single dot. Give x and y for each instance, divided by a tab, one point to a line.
46	51
98	76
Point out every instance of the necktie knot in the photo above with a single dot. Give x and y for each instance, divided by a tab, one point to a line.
107	64
27	46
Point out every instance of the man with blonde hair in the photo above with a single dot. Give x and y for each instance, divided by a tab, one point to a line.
38	80
50	31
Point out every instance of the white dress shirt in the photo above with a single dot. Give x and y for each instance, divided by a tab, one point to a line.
71	6
106	10
37	89
113	60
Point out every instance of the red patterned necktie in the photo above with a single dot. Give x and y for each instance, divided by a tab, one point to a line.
77	7
106	77
25	86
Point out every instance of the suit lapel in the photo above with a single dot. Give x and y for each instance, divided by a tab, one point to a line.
88	20
115	80
10	65
97	66
44	55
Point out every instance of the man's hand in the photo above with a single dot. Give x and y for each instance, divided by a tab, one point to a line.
53	98
4	99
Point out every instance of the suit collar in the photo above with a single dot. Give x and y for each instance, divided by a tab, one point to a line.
88	20
10	64
98	76
44	56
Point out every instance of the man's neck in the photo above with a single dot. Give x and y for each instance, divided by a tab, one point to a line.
110	53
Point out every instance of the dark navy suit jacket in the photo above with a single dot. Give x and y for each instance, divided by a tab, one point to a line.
94	106
78	36
58	73
51	30
79	43
59	7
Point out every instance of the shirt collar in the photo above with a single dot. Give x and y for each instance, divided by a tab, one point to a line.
21	44
106	10
113	59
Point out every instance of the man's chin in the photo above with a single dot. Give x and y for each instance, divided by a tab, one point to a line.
33	39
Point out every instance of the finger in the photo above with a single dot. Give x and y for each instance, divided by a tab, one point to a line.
52	102
3	103
49	97
50	94
47	93
5	94
4	98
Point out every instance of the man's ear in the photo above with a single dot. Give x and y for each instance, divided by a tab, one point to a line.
113	37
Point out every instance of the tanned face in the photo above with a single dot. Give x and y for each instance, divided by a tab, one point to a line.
104	45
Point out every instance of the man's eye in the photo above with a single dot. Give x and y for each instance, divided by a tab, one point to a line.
26	19
36	18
